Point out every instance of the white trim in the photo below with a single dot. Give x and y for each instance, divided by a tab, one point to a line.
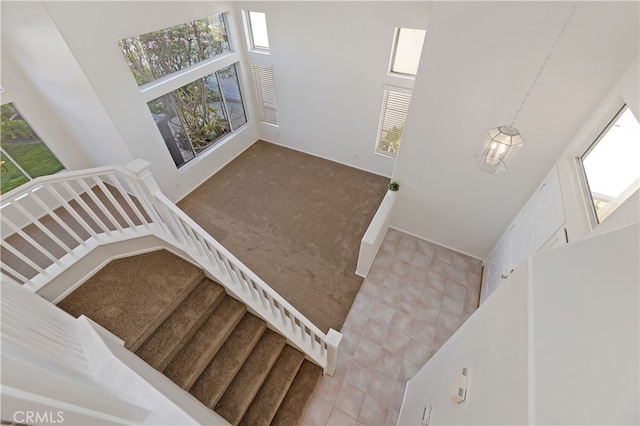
393	114
435	242
324	158
394	49
246	21
591	138
168	83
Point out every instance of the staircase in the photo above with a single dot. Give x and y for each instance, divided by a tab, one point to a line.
204	340
56	230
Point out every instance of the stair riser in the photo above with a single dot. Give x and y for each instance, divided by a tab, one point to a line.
134	346
180	327
217	376
267	401
194	357
238	397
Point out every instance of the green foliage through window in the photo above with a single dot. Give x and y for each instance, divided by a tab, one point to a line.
195	116
159	53
21	145
395	105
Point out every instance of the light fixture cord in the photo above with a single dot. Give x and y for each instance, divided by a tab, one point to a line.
553	48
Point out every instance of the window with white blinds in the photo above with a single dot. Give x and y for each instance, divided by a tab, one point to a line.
265	92
395	105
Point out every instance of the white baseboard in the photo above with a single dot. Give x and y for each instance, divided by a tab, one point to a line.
324	158
436	243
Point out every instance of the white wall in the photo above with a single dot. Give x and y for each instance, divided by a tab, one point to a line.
585	327
558	344
99	100
493	345
577	205
478	63
49	88
330	63
580	222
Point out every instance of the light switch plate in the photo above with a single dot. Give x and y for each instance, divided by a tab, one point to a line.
426	414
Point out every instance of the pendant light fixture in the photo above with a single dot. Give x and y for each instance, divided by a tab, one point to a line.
501	144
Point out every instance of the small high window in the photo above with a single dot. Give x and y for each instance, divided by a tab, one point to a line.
23	155
611	164
257	30
395	105
407	49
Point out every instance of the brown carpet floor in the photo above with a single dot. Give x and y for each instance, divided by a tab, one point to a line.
185	326
296	220
131	296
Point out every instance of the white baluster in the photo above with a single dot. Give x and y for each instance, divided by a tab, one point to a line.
99	204
113	181
107	192
78	199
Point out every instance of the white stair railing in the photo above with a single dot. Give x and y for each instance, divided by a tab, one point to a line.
252	290
51	223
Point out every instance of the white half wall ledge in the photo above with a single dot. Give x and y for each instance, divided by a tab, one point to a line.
373	237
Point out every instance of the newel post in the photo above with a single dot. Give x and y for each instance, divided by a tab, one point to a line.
333	341
140	168
150	187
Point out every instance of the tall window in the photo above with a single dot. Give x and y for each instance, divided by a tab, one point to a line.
395	105
611	164
405	57
406	52
196	116
257	31
265	93
23	155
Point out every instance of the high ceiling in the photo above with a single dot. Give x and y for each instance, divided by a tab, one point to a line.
478	63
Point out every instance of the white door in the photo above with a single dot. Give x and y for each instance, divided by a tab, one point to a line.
534	229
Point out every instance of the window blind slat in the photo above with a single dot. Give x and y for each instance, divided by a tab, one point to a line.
265	92
393	116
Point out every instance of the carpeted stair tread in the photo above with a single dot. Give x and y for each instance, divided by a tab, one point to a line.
297	398
194	357
181	325
213	381
132	296
245	385
266	402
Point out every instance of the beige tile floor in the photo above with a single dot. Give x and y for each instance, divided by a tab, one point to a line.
414	298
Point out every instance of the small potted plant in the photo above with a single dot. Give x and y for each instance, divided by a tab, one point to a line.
393	186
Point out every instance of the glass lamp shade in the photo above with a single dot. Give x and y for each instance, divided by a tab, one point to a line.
498	149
